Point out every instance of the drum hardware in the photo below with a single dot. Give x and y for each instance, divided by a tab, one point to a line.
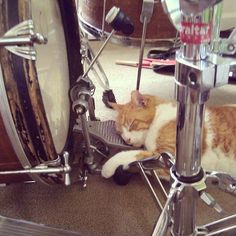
120	22
232	74
21	38
104	142
36	119
91	16
147	167
99	53
87	57
102	33
80	96
199	69
226	46
103	18
61	165
177	193
145	17
100	138
102	134
172	10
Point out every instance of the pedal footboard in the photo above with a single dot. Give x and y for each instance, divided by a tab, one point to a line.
104	137
13	227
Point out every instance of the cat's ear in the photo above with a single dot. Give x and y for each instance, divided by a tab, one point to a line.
138	99
115	106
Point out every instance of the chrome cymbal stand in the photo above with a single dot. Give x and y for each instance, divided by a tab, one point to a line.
200	67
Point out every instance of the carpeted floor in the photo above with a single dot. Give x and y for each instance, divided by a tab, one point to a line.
105	209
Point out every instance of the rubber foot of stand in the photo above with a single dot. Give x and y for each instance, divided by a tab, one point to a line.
108	96
121	176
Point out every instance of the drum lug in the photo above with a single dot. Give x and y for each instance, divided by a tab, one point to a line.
20	40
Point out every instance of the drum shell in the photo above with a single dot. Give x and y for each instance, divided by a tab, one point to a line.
9	160
159	27
14	68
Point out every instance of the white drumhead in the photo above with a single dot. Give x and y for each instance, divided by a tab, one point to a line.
52	69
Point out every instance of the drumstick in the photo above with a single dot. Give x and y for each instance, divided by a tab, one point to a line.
147	63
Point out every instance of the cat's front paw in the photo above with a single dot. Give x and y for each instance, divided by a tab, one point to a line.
123	158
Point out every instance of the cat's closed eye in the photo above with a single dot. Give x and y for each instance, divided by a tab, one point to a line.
118	129
133	125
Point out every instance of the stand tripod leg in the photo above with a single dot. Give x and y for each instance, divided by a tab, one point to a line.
150	187
225	226
164	220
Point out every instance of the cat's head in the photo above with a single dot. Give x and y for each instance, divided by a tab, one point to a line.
135	117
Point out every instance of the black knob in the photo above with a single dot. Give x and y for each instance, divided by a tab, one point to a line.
119	21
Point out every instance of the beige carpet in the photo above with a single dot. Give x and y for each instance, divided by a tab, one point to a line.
105	209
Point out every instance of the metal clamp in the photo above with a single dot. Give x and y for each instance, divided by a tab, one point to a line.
222	181
228	46
147	10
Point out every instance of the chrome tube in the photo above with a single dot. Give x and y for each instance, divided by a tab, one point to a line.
164	220
9	41
99	53
145	22
194	76
105	82
161	226
188	150
199	68
150	187
89	159
193	83
192	91
48	170
184	213
103	18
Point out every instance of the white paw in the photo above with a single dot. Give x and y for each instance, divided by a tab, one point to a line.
122	158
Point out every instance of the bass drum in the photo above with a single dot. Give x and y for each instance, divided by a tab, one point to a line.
159	29
36	119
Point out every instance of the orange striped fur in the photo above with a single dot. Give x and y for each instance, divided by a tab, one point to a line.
150	122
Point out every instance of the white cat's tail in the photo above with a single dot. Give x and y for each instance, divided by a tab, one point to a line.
123	158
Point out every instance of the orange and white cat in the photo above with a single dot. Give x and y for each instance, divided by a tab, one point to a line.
150	122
